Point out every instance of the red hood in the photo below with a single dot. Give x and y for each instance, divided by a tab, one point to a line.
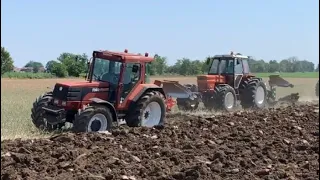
84	84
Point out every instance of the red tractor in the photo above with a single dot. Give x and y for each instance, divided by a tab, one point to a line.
228	81
116	88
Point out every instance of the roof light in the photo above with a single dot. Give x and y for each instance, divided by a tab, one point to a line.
146	54
126	51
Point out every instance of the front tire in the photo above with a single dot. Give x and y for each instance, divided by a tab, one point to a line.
224	98
38	114
149	111
253	93
93	118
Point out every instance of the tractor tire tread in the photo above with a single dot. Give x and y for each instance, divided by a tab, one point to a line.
219	94
133	118
84	115
247	91
37	113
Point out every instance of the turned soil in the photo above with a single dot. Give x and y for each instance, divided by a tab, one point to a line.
278	143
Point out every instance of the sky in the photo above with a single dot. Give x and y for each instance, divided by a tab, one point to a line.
41	30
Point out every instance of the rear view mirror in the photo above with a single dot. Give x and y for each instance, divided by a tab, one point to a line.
135	68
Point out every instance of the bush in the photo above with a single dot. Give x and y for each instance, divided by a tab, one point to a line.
27	75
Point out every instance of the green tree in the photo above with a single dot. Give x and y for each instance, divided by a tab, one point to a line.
75	63
273	66
35	65
59	69
49	65
158	65
6	61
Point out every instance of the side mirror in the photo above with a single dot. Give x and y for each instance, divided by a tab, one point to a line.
135	68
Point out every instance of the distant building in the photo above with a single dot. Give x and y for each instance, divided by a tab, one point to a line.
27	69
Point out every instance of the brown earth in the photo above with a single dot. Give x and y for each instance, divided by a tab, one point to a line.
278	143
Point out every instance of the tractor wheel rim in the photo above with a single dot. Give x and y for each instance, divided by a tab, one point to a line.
229	100
98	122
260	95
151	115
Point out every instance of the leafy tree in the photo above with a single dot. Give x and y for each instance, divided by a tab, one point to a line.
6	61
49	65
59	69
158	65
35	65
75	64
273	66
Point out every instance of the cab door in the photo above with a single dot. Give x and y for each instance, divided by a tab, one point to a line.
131	77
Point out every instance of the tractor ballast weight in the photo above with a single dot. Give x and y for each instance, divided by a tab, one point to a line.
116	88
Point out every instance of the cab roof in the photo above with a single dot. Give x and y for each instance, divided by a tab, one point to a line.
231	55
123	56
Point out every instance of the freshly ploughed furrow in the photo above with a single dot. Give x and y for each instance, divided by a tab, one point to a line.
270	144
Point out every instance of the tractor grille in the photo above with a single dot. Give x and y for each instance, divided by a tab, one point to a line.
65	93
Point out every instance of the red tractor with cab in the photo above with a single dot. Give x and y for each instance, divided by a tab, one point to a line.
116	88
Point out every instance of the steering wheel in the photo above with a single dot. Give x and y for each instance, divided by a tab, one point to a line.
110	77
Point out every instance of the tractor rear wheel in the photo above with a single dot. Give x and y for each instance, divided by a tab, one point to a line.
224	98
149	111
93	118
317	89
38	114
253	93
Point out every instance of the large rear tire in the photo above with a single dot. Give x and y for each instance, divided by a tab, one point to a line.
317	89
149	111
253	93
93	118
38	114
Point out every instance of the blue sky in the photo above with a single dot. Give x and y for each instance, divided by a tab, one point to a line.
269	29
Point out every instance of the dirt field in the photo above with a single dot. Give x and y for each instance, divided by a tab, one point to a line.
17	97
271	144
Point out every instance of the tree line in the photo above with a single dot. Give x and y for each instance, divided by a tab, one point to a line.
69	64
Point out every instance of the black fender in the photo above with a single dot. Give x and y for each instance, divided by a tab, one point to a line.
108	104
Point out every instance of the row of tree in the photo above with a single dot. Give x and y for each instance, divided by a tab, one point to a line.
69	64
186	66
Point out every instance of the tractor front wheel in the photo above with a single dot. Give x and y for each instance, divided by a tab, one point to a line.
224	98
253	93
38	114
149	111
93	118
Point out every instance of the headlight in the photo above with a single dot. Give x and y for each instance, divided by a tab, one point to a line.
63	103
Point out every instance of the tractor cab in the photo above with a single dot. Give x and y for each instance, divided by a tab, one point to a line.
120	71
224	69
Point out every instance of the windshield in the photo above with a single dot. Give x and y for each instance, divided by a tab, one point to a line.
222	66
106	70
